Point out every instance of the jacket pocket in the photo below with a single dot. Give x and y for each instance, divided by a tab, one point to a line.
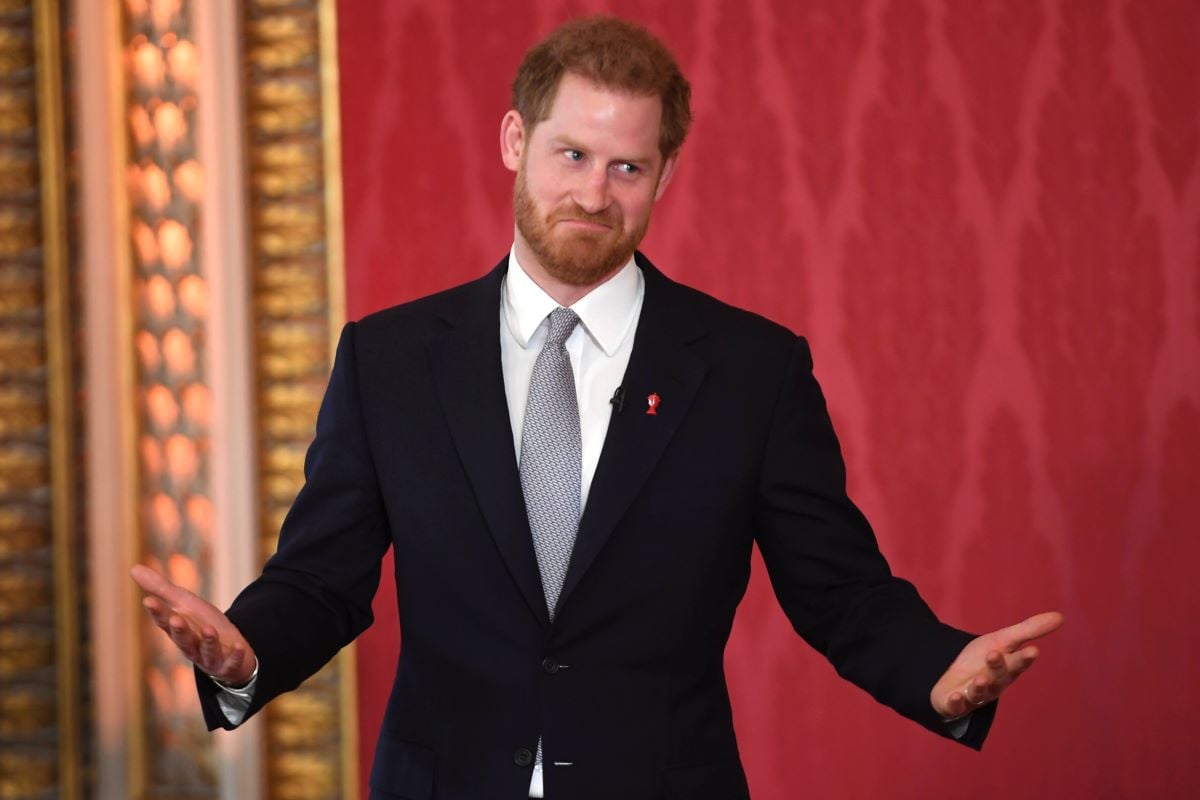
402	770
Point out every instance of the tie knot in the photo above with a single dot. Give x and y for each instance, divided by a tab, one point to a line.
562	322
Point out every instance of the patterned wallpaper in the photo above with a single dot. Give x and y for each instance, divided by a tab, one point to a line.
986	218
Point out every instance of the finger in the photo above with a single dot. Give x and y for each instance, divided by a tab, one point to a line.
978	691
155	583
998	666
956	705
234	665
156	606
158	612
210	651
184	637
222	661
181	626
1022	660
1035	627
178	599
237	655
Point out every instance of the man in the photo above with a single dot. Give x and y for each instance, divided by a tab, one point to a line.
572	457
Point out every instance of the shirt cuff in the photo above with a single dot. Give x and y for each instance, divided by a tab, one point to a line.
957	728
235	702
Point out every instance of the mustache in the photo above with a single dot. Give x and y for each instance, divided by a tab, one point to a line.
608	218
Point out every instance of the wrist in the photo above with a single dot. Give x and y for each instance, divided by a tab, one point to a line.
236	685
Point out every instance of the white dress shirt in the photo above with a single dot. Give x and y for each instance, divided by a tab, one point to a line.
599	348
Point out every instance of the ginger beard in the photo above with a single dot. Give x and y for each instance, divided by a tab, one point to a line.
575	256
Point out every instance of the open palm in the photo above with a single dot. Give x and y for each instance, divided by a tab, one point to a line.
989	664
198	628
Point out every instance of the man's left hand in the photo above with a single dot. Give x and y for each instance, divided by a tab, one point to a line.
989	664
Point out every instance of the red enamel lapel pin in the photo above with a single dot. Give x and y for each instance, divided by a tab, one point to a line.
652	403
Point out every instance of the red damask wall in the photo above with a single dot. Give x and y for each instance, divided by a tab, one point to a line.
986	218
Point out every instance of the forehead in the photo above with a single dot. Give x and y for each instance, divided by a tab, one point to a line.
600	116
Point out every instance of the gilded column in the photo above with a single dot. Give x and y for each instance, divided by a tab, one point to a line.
165	184
296	257
41	740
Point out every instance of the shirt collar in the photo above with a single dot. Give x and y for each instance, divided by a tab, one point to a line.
606	311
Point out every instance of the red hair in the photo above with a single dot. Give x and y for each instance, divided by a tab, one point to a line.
614	54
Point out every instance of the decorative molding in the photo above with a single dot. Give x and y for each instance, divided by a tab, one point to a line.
166	191
41	738
221	142
296	256
61	367
109	456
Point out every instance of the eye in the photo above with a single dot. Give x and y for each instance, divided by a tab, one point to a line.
573	155
628	169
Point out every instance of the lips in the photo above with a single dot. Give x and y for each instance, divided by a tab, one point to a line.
574	213
586	223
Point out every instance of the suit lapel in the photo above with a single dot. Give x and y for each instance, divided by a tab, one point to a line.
661	364
466	367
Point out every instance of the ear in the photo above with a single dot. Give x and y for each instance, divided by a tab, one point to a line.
512	140
668	172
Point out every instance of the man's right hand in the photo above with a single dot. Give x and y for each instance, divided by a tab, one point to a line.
198	628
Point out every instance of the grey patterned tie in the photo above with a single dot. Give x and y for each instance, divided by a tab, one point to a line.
551	456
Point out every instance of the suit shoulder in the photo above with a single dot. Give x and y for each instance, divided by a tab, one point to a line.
717	315
418	320
736	329
419	310
720	312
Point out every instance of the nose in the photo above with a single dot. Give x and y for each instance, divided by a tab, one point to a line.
592	195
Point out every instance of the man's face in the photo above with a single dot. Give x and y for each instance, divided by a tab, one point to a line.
587	178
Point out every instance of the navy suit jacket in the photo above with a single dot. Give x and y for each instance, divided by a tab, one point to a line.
414	451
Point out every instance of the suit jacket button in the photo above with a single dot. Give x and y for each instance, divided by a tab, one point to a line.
523	757
549	665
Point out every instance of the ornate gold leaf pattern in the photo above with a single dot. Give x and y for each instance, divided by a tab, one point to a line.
170	324
39	708
306	729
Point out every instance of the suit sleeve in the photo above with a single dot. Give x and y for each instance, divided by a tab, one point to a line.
314	595
829	575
